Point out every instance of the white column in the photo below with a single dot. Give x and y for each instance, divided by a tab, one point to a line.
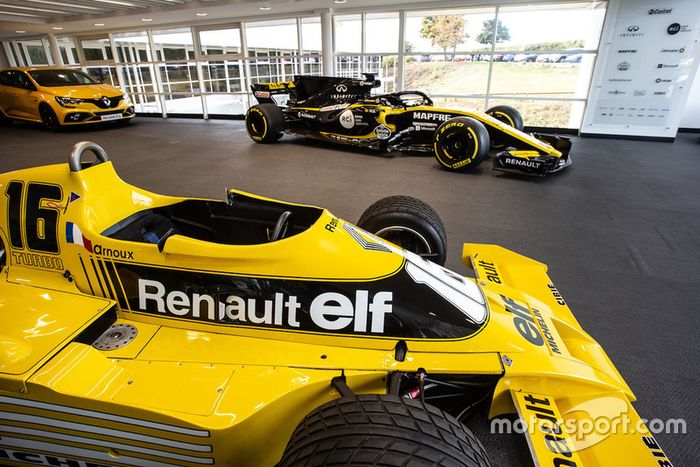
400	60
156	72
327	42
55	51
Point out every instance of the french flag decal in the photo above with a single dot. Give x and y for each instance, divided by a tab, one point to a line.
74	235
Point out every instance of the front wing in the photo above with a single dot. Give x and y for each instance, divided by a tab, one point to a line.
580	412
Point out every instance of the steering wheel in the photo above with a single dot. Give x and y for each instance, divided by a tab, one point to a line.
280	229
75	163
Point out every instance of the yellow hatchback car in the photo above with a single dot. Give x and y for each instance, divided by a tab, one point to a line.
60	96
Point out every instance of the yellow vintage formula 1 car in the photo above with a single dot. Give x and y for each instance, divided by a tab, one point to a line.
343	110
141	329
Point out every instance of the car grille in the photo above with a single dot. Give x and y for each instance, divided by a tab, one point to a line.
103	104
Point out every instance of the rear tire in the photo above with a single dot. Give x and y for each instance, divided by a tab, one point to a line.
409	223
371	429
508	115
48	116
265	123
461	143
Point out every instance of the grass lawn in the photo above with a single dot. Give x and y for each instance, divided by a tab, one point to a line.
508	78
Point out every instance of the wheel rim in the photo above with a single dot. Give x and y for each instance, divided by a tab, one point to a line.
408	239
49	118
256	124
457	145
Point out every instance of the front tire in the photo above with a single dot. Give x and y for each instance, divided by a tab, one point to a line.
371	429
409	223
265	123
461	143
48	116
508	115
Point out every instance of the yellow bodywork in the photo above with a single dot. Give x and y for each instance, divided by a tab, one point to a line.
24	104
188	392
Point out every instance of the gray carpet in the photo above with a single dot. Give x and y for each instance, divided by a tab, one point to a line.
620	229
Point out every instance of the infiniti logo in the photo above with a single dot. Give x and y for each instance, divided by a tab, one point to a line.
633	28
341	88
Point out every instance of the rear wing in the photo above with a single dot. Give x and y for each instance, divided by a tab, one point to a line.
263	92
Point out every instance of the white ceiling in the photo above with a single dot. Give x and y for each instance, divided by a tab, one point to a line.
81	16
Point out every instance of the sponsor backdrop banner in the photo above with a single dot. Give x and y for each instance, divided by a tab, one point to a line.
648	59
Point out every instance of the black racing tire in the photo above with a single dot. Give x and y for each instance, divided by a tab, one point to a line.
48	116
409	223
372	429
508	115
265	123
461	143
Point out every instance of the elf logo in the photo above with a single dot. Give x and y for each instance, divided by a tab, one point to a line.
523	321
329	311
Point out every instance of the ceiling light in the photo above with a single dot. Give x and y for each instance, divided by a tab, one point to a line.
48	2
16	14
340	2
115	2
147	20
31	8
265	8
202	14
99	24
20	32
57	28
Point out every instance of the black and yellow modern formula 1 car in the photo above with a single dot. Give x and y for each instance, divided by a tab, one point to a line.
343	110
138	329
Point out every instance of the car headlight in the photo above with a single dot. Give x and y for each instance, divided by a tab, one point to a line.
64	101
126	96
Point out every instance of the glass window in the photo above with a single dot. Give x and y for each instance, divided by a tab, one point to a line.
446	31
553	114
382	32
35	52
105	74
462	74
96	49
272	38
183	104
66	47
311	35
226	104
570	27
348	34
173	44
220	41
61	78
132	47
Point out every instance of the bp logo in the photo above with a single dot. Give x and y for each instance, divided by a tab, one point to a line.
347	119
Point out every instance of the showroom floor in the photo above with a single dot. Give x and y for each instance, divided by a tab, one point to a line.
620	229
